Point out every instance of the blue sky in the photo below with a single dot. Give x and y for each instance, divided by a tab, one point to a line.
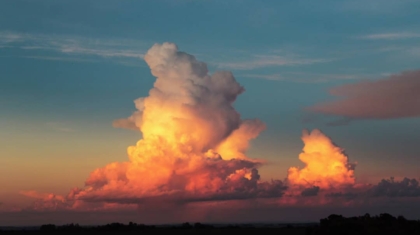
69	68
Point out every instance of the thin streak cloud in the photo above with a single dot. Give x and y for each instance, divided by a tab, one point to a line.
55	58
305	77
262	61
60	127
112	48
391	36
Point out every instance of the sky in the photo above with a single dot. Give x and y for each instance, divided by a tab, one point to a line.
316	108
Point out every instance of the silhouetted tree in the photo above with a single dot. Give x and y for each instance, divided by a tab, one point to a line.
186	225
47	227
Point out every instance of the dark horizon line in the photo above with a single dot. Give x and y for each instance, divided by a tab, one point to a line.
217	224
166	224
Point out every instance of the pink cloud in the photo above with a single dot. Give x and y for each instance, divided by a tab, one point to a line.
394	97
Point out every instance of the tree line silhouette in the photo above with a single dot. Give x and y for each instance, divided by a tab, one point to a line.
333	224
366	224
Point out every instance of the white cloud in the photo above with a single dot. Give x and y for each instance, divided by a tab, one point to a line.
391	36
9	37
262	61
56	58
415	51
106	48
103	52
129	52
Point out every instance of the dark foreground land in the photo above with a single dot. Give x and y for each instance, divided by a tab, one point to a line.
333	224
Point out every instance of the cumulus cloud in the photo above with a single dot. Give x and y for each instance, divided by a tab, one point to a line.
193	152
392	188
383	190
194	141
125	124
326	165
309	192
45	201
394	97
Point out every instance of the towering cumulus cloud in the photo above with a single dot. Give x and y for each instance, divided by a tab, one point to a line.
326	165
193	150
194	141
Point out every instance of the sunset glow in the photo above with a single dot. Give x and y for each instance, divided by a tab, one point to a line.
165	112
194	150
326	166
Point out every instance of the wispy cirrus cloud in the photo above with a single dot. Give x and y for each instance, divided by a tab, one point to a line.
303	77
59	127
262	61
390	36
77	49
9	37
415	51
53	58
74	45
128	51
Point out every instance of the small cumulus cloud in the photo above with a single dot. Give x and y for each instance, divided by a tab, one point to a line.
326	165
45	201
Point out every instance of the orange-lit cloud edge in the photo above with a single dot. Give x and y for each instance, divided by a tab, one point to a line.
193	154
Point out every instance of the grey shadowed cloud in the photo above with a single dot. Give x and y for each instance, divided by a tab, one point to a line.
309	192
392	188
